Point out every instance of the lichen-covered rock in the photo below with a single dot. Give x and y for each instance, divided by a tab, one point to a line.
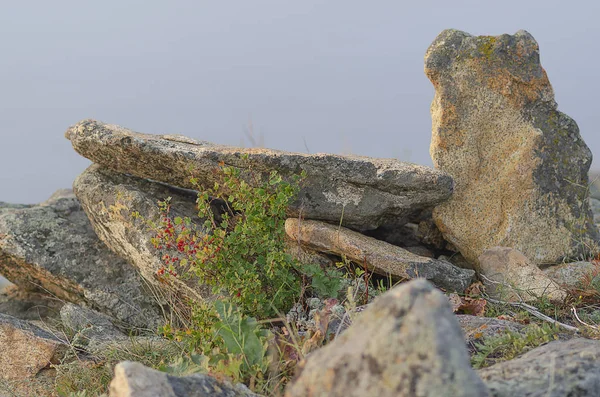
406	343
29	305
571	275
508	275
96	334
92	330
520	166
477	329
134	380
110	198
362	192
381	257
26	349
595	205
52	248
558	369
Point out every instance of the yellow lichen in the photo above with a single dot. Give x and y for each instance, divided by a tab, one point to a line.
486	47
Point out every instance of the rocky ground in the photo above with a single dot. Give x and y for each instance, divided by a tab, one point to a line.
479	277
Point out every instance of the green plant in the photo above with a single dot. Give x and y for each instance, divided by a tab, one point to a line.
326	283
510	344
237	348
241	250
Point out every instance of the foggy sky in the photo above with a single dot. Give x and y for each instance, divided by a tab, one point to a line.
328	76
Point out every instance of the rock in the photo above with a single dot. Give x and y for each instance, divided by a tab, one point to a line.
93	330
4	284
26	349
509	276
558	369
28	305
306	255
594	184
109	198
95	334
134	380
420	251
457	260
379	256
406	343
402	236
519	165
571	275
52	248
8	206
595	205
365	193
477	329
428	233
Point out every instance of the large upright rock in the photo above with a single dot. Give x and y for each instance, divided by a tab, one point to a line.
52	248
519	165
406	343
362	192
110	198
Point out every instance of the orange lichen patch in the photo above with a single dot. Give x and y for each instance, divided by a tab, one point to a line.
517	92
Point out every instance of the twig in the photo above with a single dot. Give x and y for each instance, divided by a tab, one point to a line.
536	313
574	311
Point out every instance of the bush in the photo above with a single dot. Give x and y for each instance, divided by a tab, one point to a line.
241	251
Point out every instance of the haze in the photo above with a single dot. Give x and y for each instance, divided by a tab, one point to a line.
319	76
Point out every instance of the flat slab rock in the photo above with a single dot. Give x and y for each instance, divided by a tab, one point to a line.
52	248
134	380
383	258
406	343
520	166
558	369
109	198
364	192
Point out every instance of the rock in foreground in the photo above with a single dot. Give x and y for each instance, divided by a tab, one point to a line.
134	380
519	165
365	193
52	248
558	369
377	255
406	343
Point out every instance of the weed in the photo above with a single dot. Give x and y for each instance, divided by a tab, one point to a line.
512	344
92	374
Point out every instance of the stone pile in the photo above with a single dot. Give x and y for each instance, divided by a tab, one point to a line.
504	198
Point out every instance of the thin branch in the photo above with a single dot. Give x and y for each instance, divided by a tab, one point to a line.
536	313
574	311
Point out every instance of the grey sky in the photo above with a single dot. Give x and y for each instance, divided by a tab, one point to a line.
344	76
